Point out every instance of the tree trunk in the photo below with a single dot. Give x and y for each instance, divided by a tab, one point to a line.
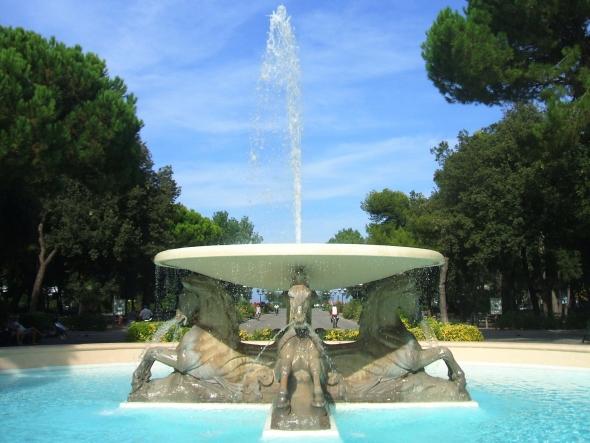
44	261
442	292
531	289
505	282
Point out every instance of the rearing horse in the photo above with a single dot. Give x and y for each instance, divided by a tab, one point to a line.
299	350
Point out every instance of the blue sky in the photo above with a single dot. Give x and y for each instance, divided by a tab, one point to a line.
370	114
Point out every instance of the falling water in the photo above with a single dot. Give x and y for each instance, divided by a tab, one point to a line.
280	70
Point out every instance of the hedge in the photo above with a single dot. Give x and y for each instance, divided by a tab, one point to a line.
143	331
445	331
341	335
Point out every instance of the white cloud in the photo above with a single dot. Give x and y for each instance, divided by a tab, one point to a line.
346	170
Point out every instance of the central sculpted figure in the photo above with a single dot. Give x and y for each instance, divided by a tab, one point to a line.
300	403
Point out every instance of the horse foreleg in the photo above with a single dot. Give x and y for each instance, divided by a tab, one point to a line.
414	359
284	372
143	372
315	367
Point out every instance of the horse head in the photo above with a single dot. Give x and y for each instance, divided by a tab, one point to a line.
208	305
299	305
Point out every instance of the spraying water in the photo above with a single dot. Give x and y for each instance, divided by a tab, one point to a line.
280	71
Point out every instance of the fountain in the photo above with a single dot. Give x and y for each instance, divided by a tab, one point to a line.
298	373
280	79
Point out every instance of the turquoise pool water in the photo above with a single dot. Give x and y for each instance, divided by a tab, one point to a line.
81	404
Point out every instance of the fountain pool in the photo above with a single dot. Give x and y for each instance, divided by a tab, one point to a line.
82	403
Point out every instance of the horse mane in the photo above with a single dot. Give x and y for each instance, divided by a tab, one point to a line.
386	300
214	309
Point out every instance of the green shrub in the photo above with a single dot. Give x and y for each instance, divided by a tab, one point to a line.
86	322
442	331
460	332
245	310
341	335
262	334
352	310
417	332
144	331
431	327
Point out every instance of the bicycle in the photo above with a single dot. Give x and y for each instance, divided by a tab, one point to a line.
334	319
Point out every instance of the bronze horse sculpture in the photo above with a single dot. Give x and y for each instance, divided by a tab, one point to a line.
300	369
387	363
210	362
299	349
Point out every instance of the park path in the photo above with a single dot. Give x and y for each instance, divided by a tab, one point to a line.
319	319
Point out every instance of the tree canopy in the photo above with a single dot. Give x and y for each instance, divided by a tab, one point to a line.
499	51
348	236
83	208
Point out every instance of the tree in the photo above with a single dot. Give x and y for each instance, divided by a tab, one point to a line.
509	50
389	212
348	236
505	190
193	229
235	231
75	179
523	222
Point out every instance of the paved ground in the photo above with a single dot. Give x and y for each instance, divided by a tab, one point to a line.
319	319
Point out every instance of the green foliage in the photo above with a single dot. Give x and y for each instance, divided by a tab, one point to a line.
509	50
261	334
86	322
245	309
506	193
192	229
90	293
352	310
74	172
341	335
235	231
401	220
144	332
430	328
348	236
460	332
387	207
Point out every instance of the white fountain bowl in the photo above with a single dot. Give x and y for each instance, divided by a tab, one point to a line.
272	266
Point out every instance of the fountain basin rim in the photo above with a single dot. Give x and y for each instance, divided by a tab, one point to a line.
326	265
491	352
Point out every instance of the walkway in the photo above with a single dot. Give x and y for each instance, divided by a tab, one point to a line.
319	319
